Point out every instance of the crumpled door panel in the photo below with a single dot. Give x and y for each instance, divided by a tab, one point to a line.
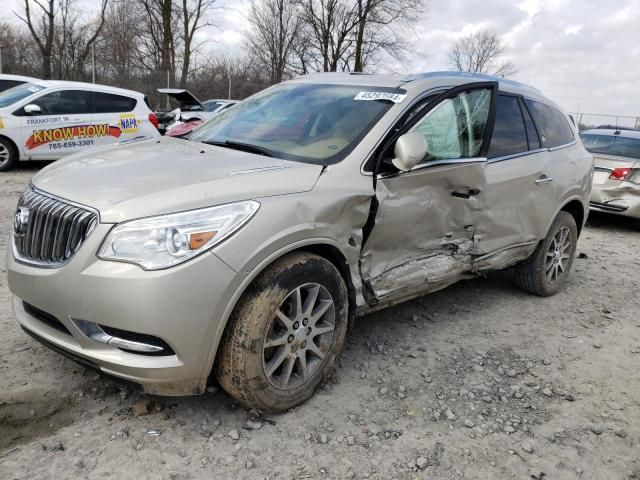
423	235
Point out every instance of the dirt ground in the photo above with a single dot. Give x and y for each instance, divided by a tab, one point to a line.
479	381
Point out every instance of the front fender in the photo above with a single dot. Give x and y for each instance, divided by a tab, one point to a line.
260	263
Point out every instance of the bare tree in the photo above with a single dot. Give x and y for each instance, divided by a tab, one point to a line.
20	55
331	24
480	52
73	41
193	19
378	27
158	53
43	30
276	28
52	36
120	42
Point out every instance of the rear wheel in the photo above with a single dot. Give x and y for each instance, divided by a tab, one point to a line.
8	155
546	270
285	334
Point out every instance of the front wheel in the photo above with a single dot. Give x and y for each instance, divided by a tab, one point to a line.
8	155
285	334
546	270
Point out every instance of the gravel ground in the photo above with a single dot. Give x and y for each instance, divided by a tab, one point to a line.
479	381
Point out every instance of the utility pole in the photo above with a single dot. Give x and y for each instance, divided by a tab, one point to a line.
168	104
229	74
1	46
93	63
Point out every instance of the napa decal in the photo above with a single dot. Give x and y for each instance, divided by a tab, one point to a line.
128	123
69	137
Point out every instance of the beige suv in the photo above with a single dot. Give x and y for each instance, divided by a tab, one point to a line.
247	250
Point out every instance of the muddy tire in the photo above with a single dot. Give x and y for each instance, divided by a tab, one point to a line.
546	270
8	155
285	334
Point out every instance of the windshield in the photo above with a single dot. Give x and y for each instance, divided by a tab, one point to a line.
15	94
303	122
612	145
212	105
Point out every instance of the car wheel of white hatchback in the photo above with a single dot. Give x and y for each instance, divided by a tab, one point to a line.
284	334
8	155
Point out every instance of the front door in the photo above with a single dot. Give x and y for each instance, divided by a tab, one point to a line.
424	227
59	128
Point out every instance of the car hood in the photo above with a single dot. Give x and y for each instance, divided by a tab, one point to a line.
167	175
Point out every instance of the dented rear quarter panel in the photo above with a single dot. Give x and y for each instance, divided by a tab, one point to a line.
619	193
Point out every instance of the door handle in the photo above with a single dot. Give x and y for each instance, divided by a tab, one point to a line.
467	194
543	179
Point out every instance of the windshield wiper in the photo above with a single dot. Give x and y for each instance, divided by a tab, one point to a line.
246	147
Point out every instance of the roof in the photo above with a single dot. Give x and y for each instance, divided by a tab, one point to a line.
18	78
87	86
422	81
611	132
225	100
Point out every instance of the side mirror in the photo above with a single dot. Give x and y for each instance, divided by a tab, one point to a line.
410	149
32	109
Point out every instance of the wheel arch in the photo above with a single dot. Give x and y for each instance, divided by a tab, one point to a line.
323	247
12	144
577	210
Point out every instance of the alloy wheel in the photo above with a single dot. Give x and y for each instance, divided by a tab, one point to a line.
5	154
299	336
558	255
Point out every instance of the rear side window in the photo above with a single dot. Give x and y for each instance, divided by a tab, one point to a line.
110	103
552	124
532	132
509	133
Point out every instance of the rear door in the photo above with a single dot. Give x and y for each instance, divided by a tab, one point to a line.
115	114
564	168
516	186
422	230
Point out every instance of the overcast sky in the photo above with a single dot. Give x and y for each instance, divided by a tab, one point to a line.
582	53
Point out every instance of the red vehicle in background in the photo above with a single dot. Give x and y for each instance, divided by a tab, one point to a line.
182	129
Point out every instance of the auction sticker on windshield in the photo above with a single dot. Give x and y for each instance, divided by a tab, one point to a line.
393	97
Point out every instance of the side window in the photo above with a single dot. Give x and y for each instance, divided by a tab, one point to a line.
455	128
110	103
509	134
532	132
65	102
552	124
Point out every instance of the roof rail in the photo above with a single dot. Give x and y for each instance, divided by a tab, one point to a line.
470	75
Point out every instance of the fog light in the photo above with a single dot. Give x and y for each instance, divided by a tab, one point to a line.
95	332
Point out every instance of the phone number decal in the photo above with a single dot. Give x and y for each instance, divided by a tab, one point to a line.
76	144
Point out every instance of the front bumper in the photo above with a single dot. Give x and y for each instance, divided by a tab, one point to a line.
623	198
184	306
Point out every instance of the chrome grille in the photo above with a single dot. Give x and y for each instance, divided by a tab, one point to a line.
48	231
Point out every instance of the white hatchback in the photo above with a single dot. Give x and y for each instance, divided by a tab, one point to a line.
48	120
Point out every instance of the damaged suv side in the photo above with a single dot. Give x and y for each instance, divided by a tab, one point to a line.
247	250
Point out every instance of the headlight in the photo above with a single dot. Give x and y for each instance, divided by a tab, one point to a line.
167	240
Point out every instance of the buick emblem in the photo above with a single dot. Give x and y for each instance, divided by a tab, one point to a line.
20	221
